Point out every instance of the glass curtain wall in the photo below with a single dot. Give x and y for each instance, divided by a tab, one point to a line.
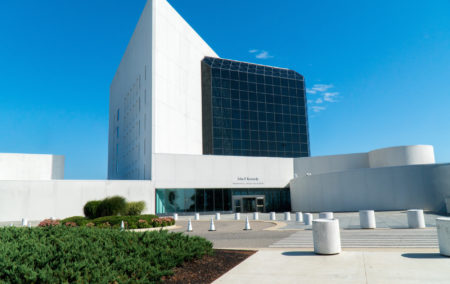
204	200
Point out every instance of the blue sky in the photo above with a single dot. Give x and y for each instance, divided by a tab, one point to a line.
377	72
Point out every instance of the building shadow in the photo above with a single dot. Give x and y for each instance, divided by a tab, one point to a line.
423	255
298	253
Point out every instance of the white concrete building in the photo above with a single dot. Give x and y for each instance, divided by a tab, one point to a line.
191	132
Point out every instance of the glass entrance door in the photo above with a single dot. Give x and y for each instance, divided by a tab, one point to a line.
248	203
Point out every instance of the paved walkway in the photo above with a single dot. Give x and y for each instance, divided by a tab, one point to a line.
399	238
296	266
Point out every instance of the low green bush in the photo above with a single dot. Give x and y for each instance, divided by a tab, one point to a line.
90	209
135	208
131	222
90	255
112	206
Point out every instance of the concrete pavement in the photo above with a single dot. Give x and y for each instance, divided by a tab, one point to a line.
350	266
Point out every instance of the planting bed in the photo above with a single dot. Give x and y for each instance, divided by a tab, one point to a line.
209	267
60	254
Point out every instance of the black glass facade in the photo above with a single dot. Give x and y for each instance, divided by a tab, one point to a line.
253	110
218	199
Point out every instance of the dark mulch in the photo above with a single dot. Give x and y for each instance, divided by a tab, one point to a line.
208	268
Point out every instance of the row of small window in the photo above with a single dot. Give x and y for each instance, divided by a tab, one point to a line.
251	125
259	153
250	68
250	118
221	74
220	93
224	108
261	136
260	88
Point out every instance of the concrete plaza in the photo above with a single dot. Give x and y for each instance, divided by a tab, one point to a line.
392	253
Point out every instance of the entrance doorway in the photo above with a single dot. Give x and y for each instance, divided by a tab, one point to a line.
248	203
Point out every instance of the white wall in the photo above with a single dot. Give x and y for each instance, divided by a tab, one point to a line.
130	93
402	155
325	164
37	200
31	166
210	171
387	188
177	54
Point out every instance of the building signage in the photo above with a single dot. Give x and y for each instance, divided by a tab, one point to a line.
248	180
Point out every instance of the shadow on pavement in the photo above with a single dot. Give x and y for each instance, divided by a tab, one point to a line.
298	253
423	255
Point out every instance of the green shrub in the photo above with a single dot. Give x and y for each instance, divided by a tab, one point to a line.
112	206
135	208
90	209
89	255
131	222
79	220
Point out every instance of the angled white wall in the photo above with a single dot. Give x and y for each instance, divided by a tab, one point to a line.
130	106
31	166
177	54
155	96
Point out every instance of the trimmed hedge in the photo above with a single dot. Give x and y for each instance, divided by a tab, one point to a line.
89	255
112	206
135	208
90	209
131	222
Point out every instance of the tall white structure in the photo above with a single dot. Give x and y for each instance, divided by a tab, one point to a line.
155	96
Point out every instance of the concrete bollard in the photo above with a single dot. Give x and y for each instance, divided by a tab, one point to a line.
189	227
287	216
443	231
237	216
217	216
308	218
273	216
122	226
175	216
255	216
326	215
197	216
298	217
24	222
247	224
326	236
211	225
367	219
416	219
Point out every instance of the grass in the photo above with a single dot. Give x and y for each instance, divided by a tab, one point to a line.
87	255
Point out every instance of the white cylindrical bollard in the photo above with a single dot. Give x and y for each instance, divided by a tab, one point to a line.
237	216
189	227
367	219
24	222
308	218
247	224
255	216
326	215
416	219
287	216
326	236
273	216
443	231
122	226
211	225
197	216
217	216
175	216
298	217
